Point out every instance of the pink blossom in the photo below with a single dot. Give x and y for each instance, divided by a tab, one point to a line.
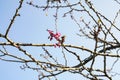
57	44
51	34
50	31
56	36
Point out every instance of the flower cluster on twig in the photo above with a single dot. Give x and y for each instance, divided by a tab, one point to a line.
57	36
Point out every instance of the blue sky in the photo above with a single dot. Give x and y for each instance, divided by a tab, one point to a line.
31	26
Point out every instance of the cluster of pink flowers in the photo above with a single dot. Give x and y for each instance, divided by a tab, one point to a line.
56	35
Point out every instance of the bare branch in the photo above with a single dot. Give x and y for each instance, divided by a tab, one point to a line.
15	15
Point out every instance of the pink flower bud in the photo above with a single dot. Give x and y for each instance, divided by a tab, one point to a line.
57	36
